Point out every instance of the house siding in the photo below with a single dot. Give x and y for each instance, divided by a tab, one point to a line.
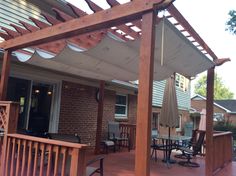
183	97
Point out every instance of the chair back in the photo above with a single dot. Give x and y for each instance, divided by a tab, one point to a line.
113	130
200	139
154	133
74	138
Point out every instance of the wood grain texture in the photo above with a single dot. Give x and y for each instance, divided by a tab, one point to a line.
142	155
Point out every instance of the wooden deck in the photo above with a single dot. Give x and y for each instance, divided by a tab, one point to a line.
122	164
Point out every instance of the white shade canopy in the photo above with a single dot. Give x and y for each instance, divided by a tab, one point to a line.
114	59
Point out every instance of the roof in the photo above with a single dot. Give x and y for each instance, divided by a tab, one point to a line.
228	104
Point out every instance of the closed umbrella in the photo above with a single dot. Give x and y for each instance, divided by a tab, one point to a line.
202	124
169	111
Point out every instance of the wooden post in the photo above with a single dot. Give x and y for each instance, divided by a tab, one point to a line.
5	74
143	135
209	122
99	117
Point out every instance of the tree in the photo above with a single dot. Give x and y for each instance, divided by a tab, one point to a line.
220	90
231	23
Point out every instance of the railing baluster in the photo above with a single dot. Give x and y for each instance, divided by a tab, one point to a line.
12	168
24	157
29	159
56	160
49	155
64	153
42	148
8	156
36	148
18	156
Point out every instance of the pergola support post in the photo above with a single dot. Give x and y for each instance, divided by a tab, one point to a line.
209	122
99	117
143	139
5	74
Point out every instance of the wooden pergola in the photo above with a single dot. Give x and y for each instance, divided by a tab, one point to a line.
140	13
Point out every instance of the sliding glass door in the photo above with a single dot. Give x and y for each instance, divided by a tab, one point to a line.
36	99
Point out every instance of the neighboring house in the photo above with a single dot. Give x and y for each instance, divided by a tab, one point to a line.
55	101
223	109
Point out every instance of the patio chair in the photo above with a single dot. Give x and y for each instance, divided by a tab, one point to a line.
189	144
119	138
156	144
91	170
65	137
193	150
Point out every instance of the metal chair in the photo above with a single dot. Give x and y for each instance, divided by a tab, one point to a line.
156	144
114	134
193	150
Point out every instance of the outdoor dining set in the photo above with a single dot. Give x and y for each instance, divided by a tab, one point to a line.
189	146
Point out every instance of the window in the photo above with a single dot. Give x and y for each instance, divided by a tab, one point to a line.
178	128
121	106
181	82
155	120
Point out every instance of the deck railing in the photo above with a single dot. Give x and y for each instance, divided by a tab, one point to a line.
223	149
28	155
129	129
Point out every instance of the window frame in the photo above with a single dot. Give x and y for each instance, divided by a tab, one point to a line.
122	116
180	123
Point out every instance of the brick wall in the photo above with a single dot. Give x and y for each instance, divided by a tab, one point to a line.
78	113
185	119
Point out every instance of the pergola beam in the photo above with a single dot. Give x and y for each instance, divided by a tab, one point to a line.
185	24
100	20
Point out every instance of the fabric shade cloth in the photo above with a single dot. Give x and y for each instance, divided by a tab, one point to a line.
169	110
202	124
115	59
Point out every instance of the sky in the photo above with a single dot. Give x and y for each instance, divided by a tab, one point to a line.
208	18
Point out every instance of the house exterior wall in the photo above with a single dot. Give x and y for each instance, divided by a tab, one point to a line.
78	112
183	97
185	118
201	104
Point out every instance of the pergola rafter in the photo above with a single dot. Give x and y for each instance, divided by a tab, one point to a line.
87	31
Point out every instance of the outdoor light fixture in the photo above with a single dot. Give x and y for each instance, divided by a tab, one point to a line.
37	91
49	93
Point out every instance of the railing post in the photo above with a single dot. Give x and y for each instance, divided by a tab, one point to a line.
5	74
209	122
78	165
9	112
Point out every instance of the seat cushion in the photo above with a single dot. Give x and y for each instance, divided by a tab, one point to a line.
91	170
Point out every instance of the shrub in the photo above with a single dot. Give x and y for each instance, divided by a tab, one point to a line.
226	127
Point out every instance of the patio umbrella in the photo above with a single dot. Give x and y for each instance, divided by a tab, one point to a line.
202	124
169	111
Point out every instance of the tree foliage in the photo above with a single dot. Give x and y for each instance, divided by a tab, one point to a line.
231	23
221	92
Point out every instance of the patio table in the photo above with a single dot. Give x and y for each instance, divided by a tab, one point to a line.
172	142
